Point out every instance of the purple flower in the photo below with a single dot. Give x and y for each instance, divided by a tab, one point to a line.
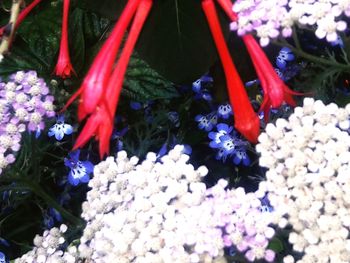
222	129
224	111
206	122
60	128
2	258
118	135
135	105
199	89
241	156
228	144
79	170
285	55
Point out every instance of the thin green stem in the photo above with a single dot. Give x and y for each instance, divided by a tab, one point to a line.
296	39
315	59
37	189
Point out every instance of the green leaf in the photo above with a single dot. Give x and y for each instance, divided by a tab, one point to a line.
276	245
41	30
76	39
175	40
22	58
143	83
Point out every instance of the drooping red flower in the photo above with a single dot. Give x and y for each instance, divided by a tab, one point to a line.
101	121
276	92
64	67
96	80
22	15
246	120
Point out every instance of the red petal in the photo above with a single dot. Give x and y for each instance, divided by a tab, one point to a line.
97	78
246	120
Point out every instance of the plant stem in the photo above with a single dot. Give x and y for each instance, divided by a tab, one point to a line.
296	39
36	188
313	58
7	39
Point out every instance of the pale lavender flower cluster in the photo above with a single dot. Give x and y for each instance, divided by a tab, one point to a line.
24	102
245	221
269	18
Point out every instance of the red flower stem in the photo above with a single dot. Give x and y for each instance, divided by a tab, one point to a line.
246	120
22	15
105	59
227	5
101	68
115	82
64	30
101	120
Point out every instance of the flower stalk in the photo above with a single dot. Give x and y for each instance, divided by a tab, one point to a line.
246	120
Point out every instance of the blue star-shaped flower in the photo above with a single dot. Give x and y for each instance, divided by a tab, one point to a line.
200	92
224	111
228	144
241	156
118	135
2	258
223	129
285	55
207	122
79	170
60	129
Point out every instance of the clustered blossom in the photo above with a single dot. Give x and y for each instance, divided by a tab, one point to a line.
308	179
49	248
269	18
162	212
24	102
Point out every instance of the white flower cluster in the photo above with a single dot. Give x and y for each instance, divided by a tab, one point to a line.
47	249
162	212
308	179
268	17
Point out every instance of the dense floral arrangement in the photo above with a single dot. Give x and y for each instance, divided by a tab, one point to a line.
24	103
268	18
308	157
258	179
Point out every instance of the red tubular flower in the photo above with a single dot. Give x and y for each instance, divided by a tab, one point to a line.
64	67
96	79
101	121
22	15
275	91
246	120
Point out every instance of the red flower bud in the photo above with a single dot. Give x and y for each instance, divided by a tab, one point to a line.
246	120
64	67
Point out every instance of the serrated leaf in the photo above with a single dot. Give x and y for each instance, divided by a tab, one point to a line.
41	30
143	83
76	39
21	57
